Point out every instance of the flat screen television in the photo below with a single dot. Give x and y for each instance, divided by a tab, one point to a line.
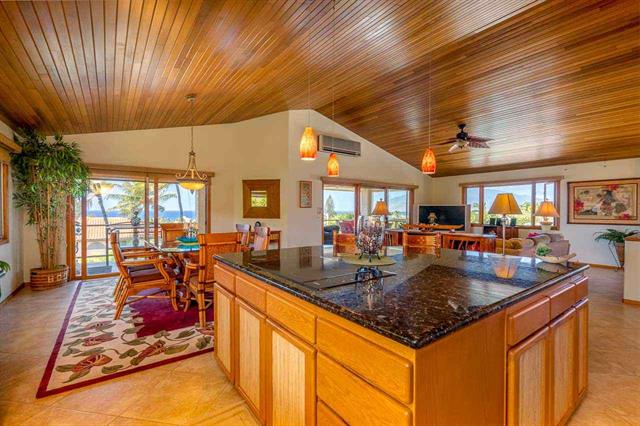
447	214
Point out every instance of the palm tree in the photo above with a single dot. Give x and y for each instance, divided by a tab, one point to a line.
130	201
179	201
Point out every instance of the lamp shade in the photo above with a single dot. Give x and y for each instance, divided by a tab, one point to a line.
547	209
333	167
505	204
380	209
428	162
308	145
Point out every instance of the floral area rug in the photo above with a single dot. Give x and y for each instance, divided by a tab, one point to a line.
93	347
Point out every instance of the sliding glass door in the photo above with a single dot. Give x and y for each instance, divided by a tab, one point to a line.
135	208
339	211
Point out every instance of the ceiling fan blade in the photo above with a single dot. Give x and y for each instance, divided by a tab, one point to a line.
450	140
477	139
478	144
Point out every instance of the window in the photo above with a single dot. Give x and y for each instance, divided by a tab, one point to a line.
346	199
528	194
398	208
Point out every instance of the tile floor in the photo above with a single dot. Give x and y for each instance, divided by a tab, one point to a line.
195	391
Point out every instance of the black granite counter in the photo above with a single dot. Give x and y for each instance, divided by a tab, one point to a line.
428	297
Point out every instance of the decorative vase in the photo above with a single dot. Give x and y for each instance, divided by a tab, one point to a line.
370	236
619	252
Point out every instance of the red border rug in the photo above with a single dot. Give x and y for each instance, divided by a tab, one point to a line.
93	347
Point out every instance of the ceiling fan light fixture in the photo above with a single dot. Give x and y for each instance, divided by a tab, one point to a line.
428	162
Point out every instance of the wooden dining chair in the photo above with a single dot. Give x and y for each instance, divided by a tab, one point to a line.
134	253
171	231
344	243
244	234
160	276
420	243
262	235
199	273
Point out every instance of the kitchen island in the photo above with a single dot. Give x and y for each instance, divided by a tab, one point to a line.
452	338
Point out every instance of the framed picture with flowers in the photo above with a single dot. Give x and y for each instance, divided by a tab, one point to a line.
306	194
604	202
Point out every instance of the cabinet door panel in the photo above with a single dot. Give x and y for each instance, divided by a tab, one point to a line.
223	325
582	314
527	381
290	378
250	356
564	350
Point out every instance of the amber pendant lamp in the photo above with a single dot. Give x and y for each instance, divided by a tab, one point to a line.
308	142
333	167
191	179
428	165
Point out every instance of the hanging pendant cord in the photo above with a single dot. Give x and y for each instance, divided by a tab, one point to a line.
430	76
309	75
333	84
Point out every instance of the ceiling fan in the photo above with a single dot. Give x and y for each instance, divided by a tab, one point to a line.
463	141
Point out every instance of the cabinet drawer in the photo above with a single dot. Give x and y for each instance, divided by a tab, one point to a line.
326	417
527	320
582	288
355	401
225	278
251	293
295	319
562	299
376	365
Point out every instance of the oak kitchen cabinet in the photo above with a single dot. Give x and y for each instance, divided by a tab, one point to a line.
298	363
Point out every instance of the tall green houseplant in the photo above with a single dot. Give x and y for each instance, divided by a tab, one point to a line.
45	174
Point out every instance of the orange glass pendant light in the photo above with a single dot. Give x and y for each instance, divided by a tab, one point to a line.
333	167
308	145
428	162
429	158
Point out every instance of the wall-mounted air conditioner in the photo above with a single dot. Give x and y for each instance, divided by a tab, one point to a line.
328	143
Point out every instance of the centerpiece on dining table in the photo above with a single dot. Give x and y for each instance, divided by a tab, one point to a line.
370	237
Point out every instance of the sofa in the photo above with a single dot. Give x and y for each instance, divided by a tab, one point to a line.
527	246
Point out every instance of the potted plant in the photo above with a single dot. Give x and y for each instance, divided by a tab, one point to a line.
616	239
45	174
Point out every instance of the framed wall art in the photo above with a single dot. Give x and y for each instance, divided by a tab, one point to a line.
604	202
306	194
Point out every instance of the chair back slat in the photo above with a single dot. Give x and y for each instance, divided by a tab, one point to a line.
344	243
244	231
171	231
211	244
114	240
261	238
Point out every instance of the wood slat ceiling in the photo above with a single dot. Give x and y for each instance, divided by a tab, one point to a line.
553	82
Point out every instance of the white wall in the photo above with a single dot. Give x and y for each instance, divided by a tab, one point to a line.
374	164
12	251
261	148
447	190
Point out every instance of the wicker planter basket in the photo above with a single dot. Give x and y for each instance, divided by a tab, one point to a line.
44	279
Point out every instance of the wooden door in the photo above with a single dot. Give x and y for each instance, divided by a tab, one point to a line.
582	320
527	381
290	378
563	367
223	326
250	356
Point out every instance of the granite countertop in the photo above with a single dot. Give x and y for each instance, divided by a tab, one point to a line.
429	296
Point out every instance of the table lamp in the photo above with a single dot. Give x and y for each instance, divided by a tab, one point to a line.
546	209
505	204
380	209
